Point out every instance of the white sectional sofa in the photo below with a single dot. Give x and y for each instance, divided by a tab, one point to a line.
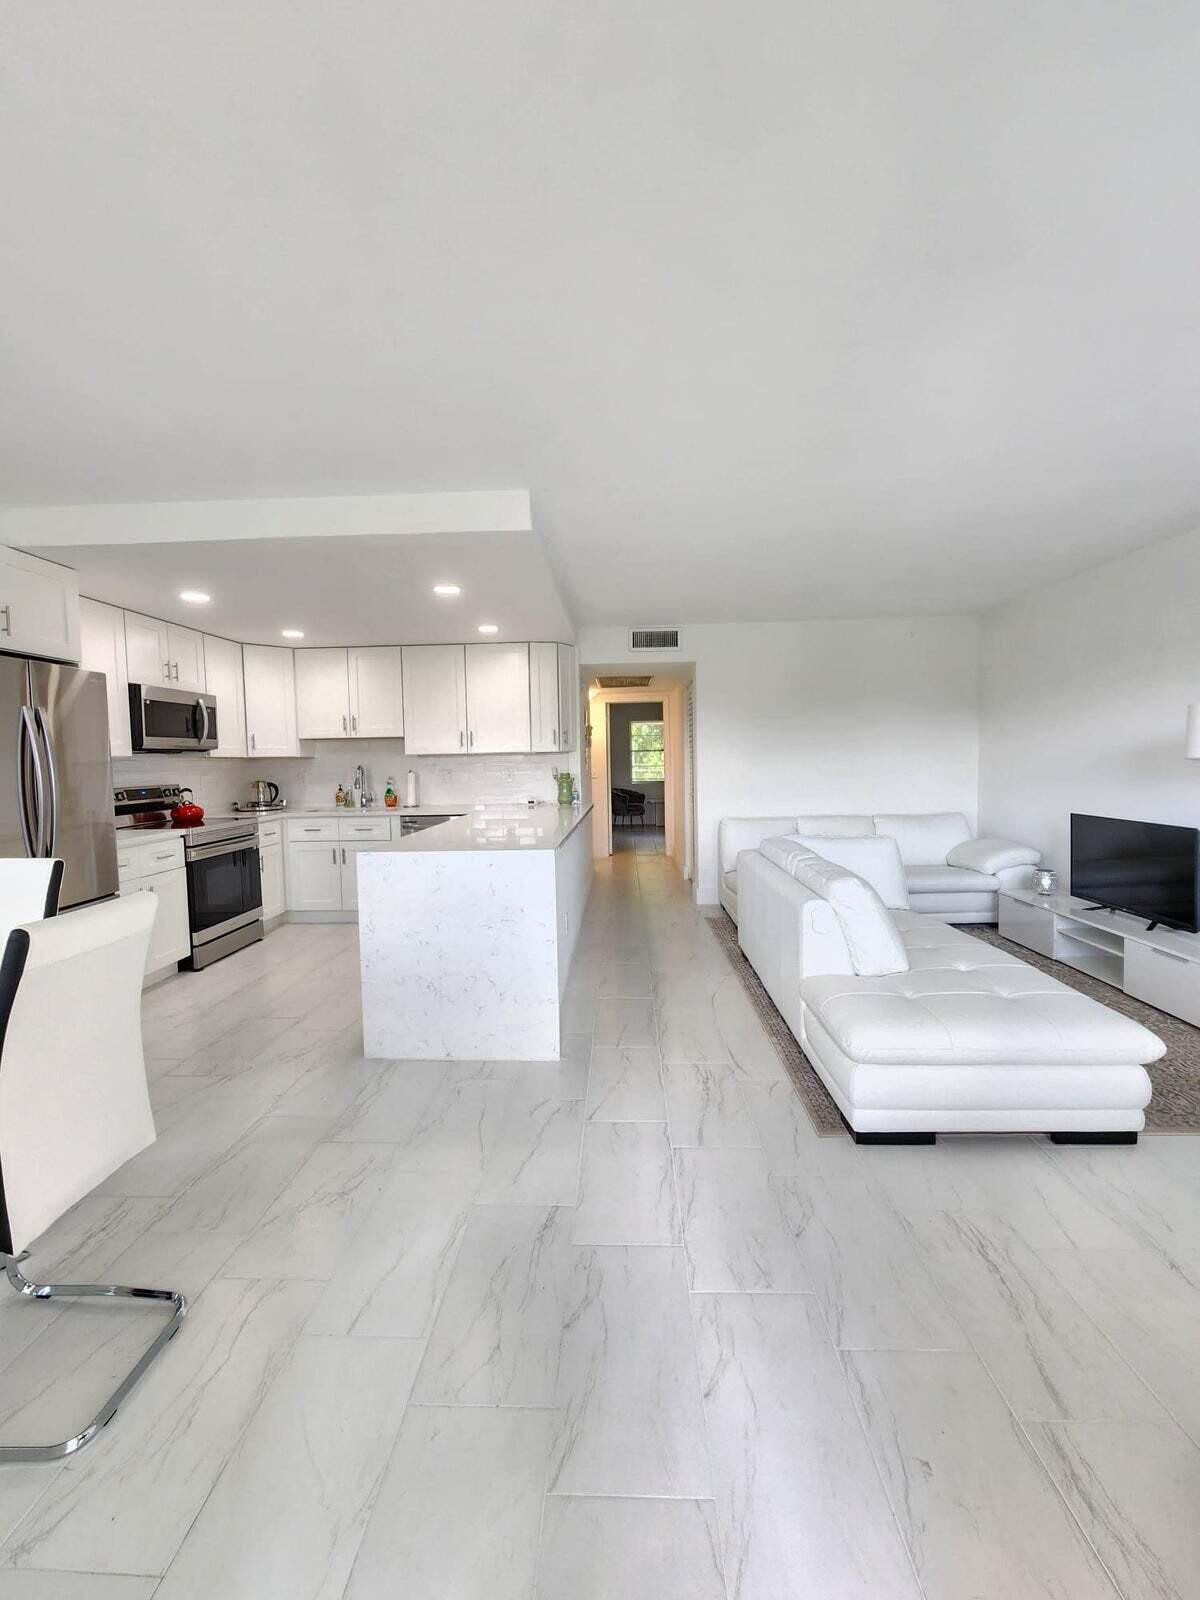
963	1038
950	874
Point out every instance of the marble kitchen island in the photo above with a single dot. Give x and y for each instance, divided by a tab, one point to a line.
467	930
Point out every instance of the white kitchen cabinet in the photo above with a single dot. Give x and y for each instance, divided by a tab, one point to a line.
163	652
497	698
314	876
270	866
568	698
376	691
102	649
39	607
543	697
185	652
224	677
146	650
270	700
349	863
435	699
170	937
156	867
322	694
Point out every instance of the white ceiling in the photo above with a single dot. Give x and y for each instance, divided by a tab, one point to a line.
374	590
792	310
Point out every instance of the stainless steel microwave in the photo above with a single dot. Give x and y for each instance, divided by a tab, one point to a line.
171	719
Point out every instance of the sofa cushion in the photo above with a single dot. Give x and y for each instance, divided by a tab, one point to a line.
871	936
992	855
837	826
729	879
940	880
964	1002
873	858
926	837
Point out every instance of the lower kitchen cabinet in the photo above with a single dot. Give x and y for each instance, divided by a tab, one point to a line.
322	873
314	875
170	938
270	862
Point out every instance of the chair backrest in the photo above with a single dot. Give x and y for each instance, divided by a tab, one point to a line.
29	891
74	1105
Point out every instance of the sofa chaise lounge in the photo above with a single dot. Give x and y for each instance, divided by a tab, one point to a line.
950	874
959	1037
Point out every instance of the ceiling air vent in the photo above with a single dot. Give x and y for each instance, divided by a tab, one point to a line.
654	639
625	683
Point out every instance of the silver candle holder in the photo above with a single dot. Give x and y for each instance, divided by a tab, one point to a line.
1045	880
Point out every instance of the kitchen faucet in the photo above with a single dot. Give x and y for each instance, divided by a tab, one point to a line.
360	783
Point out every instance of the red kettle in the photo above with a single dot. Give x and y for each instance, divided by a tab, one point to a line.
187	814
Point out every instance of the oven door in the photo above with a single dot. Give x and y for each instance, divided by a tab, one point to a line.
171	719
224	889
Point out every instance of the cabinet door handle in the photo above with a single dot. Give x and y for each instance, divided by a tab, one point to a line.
166	672
253	738
460	738
312	830
353	724
471	737
343	724
169	856
343	855
6	613
333	855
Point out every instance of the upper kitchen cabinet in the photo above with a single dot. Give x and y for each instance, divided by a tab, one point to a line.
376	692
39	607
350	694
553	697
102	649
543	697
270	700
568	698
435	699
163	652
224	676
322	694
497	698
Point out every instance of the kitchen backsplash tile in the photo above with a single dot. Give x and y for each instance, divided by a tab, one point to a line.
313	779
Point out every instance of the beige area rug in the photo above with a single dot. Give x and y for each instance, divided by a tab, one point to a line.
1174	1107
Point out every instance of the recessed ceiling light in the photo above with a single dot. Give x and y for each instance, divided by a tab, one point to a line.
292	633
195	597
447	590
488	627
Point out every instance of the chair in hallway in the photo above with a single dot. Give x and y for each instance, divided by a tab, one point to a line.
629	804
74	1104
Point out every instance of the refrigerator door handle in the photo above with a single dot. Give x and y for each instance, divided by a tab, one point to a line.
51	843
32	827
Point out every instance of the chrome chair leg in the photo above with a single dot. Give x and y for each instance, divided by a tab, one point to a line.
107	1291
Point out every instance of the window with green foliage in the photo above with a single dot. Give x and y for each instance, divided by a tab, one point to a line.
646	752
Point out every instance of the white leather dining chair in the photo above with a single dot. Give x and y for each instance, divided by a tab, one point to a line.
74	1103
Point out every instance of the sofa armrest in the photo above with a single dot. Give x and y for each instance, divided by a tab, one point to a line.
787	932
992	855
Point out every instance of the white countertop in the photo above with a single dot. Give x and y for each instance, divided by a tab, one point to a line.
489	828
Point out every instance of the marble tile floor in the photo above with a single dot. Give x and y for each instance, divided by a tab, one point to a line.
615	1326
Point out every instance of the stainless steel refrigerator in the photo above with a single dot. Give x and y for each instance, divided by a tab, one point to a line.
56	793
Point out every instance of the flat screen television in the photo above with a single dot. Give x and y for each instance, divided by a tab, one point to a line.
1150	869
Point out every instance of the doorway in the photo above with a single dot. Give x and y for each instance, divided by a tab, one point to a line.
637	776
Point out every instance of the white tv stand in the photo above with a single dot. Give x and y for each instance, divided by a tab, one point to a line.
1162	968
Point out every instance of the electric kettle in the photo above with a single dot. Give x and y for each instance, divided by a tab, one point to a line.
263	793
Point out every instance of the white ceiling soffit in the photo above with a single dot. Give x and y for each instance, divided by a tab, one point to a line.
347	590
857	310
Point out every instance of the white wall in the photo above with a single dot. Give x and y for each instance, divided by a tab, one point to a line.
875	715
1084	692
